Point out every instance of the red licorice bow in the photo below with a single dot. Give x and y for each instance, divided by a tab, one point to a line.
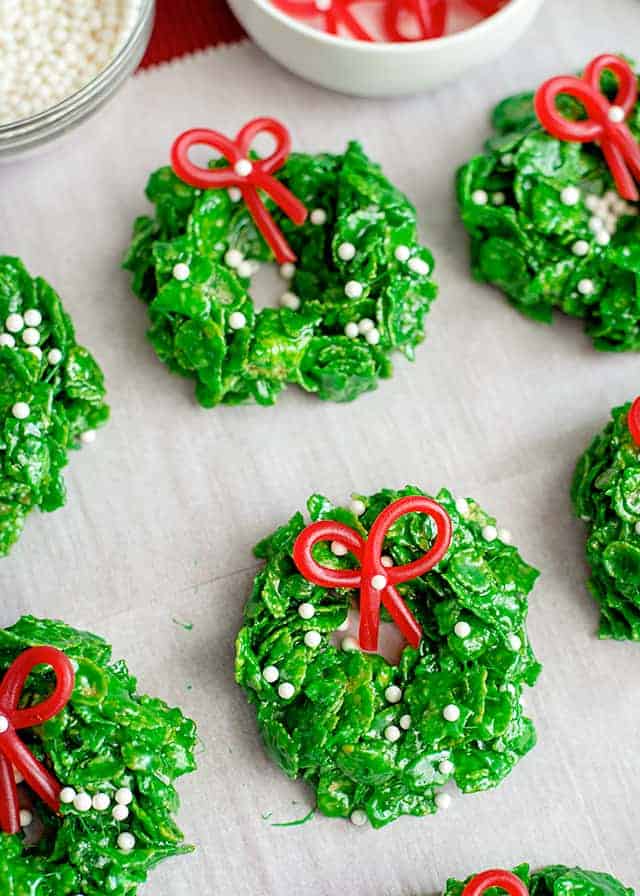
633	421
430	16
13	752
605	122
375	581
335	13
487	7
505	880
248	176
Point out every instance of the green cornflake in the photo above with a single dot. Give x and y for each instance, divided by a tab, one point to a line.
107	737
548	227
555	880
206	327
61	389
606	495
331	732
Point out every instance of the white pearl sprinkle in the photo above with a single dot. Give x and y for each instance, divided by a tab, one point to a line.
392	733
507	159
54	356
405	722
489	533
393	694
446	767
366	325
123	796
181	271
358	818
505	536
26	818
479	197
462	506
603	238
120	813
498	198
235	194
418	266
592	202
32	317
286	690
580	248
101	802
339	549
287	270
271	674
31	336
570	196
349	643
7	340
318	217
88	437
357	507
514	642
378	582
451	712
21	410
462	629
402	253
237	320
243	167
4	724
126	841
351	330
372	337
616	114
586	287
14	323
82	802
353	289
290	300
306	611
346	251
443	800
233	258
313	639
67	795
36	351
386	561
245	269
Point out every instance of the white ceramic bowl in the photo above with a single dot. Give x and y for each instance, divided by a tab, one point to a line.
380	69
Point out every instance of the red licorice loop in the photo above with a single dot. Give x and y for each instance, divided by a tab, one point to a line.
369	553
633	421
605	122
13	752
334	13
505	880
247	175
430	16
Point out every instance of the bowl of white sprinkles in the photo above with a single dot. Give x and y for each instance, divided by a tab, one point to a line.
60	60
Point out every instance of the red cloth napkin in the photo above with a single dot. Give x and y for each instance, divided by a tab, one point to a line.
184	26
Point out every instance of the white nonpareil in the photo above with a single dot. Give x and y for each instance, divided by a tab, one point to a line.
49	50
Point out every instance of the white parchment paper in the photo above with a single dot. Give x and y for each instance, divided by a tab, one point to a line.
164	509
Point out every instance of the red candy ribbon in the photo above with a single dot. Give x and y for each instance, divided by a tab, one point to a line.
430	15
505	880
13	752
605	123
375	581
248	176
633	421
335	13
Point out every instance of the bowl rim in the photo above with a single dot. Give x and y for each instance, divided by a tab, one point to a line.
481	28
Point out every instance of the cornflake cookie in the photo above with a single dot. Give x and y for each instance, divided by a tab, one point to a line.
554	880
375	740
356	283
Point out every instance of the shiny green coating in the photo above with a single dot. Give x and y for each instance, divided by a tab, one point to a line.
107	737
190	327
556	880
524	245
331	732
606	495
65	399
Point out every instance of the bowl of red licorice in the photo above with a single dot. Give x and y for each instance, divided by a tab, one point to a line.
384	47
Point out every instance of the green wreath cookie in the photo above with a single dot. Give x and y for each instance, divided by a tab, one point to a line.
606	495
360	289
547	224
554	880
51	397
116	752
376	741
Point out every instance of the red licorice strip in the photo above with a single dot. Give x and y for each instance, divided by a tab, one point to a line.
430	16
13	752
334	13
605	123
633	421
505	880
369	552
248	176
